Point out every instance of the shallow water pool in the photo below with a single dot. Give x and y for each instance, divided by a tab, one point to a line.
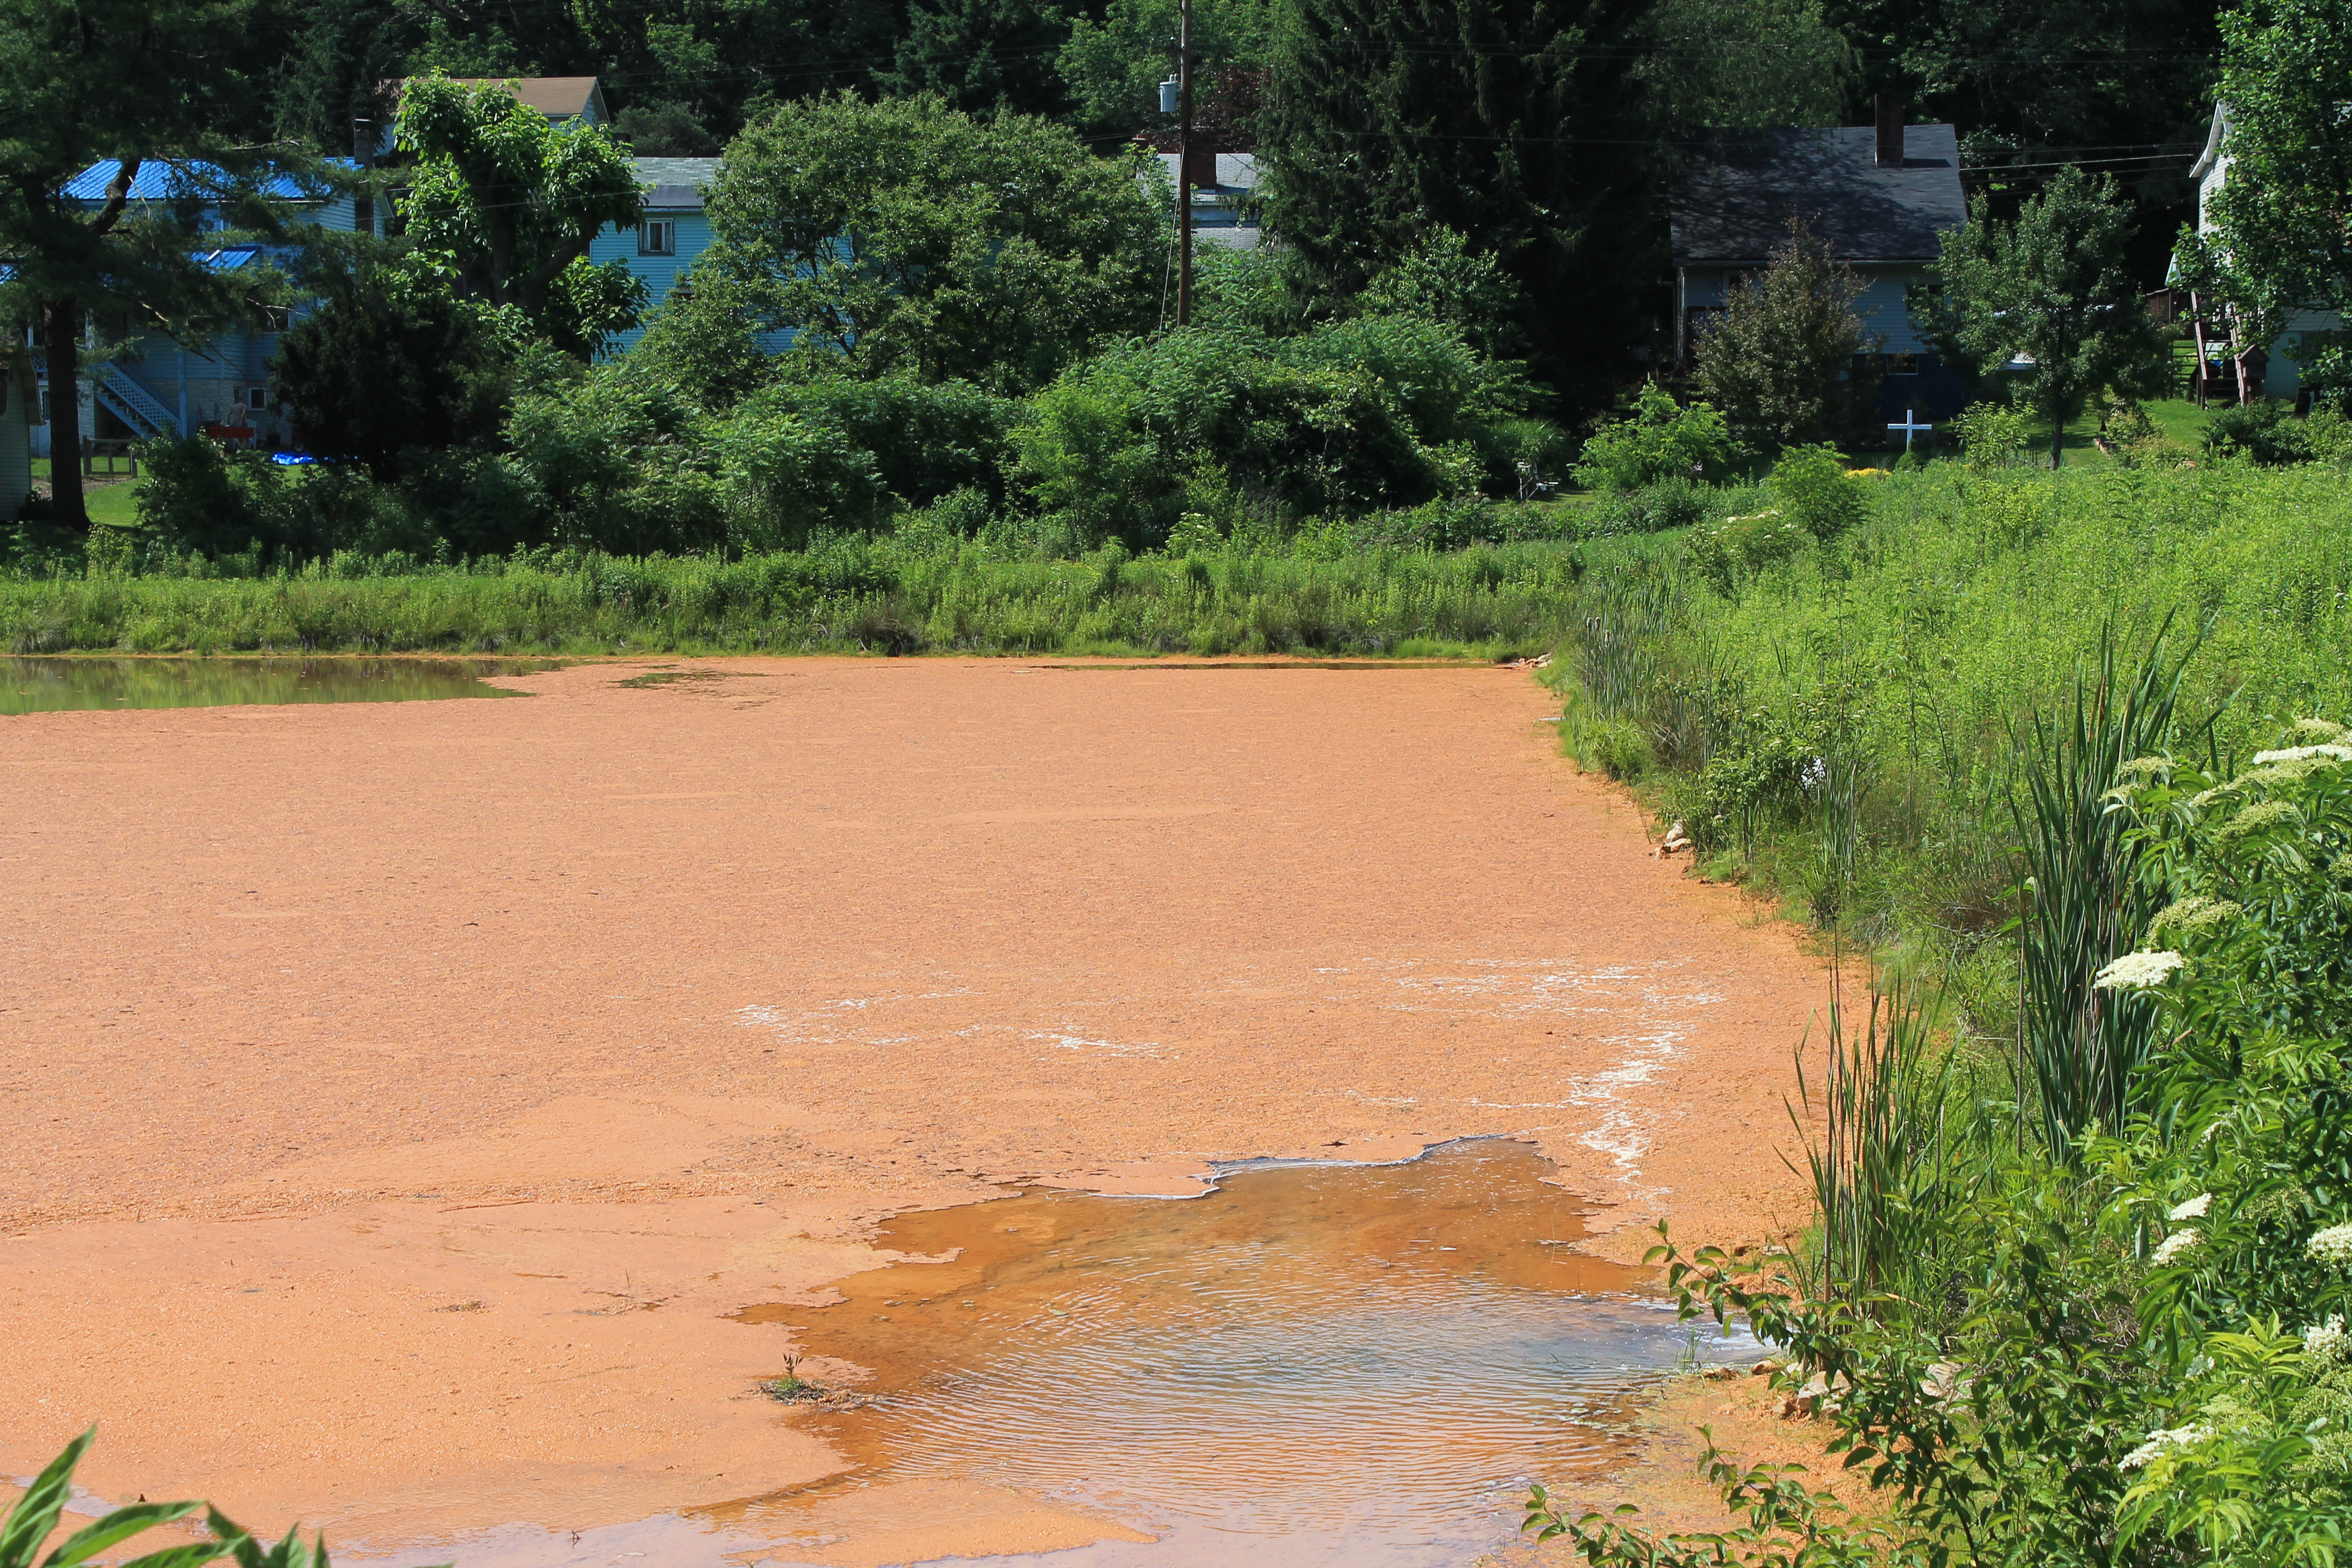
1315	1363
33	685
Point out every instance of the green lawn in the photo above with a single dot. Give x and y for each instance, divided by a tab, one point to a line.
114	502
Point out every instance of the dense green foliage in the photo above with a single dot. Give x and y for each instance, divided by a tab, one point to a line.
1656	439
2282	225
2053	746
1535	99
2053	288
923	589
141	81
1784	361
907	237
501	206
388	369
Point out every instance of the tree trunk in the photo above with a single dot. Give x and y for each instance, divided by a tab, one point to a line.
2057	440
60	334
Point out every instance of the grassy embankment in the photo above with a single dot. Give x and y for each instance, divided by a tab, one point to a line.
853	596
1911	653
2078	1284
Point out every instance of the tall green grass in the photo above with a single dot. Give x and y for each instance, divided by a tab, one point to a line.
853	596
1911	652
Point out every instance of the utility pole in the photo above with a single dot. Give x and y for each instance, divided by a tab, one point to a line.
1184	163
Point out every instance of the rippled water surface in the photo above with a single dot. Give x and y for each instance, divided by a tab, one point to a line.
1316	1364
52	685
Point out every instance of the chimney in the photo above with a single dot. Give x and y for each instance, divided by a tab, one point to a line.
364	155
1201	158
1890	130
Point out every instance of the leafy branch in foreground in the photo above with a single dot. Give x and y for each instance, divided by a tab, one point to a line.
36	1515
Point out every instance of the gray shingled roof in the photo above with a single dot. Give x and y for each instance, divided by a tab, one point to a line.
1734	202
671	182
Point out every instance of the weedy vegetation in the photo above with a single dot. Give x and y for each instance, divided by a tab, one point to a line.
2052	751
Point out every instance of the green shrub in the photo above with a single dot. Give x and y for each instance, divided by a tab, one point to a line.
2263	431
1814	488
1373	413
1658	440
1992	435
1727	554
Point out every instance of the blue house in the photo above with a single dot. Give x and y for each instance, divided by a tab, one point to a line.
161	387
675	231
1883	197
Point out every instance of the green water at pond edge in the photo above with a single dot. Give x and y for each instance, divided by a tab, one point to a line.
33	685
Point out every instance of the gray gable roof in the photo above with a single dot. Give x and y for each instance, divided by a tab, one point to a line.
673	184
1734	201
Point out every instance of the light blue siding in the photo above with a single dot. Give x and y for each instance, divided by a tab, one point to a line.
660	273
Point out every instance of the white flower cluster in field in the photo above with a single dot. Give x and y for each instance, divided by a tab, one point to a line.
2164	1440
2331	749
2192	916
2307	730
2138	971
2325	1342
2332	1244
2195	1208
2173	1247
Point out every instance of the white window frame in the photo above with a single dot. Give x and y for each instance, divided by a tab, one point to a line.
658	237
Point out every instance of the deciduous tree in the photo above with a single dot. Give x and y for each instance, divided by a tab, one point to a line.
905	237
2052	289
2282	222
502	205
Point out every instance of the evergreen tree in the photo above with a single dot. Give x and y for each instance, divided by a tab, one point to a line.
1520	123
145	82
391	362
1784	361
984	57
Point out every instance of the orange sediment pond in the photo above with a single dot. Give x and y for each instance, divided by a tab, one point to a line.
417	1107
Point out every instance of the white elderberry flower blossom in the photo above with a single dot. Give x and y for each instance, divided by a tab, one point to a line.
2330	750
2173	1245
2306	730
2325	1341
2332	1244
2191	916
2164	1441
2195	1208
2138	971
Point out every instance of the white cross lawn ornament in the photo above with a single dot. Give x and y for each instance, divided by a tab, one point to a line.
1910	426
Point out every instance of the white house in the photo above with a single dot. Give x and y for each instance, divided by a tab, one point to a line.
2283	375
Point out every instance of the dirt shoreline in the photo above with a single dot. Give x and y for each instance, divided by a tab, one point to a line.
403	1093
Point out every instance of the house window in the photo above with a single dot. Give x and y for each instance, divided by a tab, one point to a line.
1902	364
658	237
257	398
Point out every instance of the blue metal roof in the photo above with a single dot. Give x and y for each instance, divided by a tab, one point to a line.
157	181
